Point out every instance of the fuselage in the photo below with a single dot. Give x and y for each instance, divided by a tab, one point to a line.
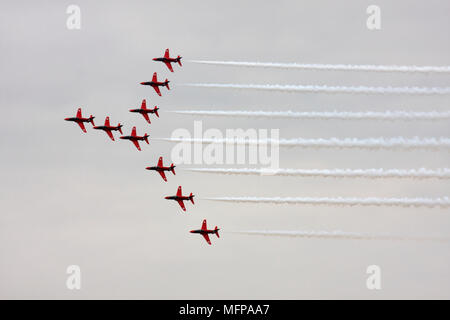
143	110
162	59
107	128
182	198
75	119
204	231
136	138
155	83
159	168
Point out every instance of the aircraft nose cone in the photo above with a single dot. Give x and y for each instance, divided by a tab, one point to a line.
192	231
148	168
154	59
142	82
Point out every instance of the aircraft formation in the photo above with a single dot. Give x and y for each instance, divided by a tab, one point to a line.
135	138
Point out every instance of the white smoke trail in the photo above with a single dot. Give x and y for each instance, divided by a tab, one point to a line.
327	115
339	201
421	173
368	143
331	67
325	88
337	235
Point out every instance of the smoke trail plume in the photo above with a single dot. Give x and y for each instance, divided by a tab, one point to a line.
336	235
330	67
421	173
339	201
325	88
327	115
368	143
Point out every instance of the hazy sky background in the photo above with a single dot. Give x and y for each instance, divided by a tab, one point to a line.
74	198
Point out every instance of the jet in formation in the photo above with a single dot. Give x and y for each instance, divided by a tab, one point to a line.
135	138
144	111
168	60
160	168
180	198
80	120
155	84
205	232
108	128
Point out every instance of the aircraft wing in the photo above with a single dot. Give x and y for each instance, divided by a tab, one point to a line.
180	202
163	175
204	225
169	65
145	115
144	104
79	113
166	54
160	162
109	133
157	90
205	235
81	124
136	143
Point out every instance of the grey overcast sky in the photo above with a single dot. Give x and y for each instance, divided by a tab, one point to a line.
69	198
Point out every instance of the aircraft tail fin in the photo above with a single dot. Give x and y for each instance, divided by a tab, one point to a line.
120	128
91	120
191	197
216	231
156	111
146	138
172	168
179	61
167	84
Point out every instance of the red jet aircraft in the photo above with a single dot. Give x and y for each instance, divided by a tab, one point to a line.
135	138
108	128
144	111
160	168
180	198
80	120
204	232
156	84
168	60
